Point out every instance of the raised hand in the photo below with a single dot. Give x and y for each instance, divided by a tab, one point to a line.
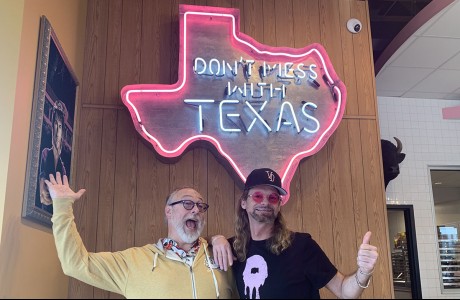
59	188
367	255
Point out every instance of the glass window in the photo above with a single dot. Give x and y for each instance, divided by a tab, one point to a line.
446	195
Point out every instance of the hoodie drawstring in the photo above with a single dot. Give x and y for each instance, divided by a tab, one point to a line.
212	271
155	261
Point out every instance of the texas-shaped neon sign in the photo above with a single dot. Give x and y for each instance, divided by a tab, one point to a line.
258	106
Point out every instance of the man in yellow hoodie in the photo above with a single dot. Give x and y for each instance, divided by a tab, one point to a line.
179	266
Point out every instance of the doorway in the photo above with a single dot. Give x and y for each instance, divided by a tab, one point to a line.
404	257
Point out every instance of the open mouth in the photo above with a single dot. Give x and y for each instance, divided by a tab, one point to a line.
191	224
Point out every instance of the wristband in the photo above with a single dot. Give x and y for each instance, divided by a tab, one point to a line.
359	283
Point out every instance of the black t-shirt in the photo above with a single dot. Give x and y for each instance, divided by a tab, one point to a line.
298	272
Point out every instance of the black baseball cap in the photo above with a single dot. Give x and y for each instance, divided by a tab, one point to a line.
264	176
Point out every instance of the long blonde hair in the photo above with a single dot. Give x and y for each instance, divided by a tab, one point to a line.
280	241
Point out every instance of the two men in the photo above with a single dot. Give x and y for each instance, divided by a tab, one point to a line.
179	266
272	261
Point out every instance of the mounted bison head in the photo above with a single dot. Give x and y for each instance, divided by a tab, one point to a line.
392	157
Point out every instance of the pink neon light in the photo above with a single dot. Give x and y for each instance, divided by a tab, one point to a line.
451	113
289	170
184	80
178	151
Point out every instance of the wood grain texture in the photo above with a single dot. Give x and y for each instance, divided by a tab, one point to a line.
112	61
88	174
221	199
337	194
305	14
376	206
348	53
268	21
95	52
364	59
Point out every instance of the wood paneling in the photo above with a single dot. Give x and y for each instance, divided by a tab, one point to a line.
336	195
95	52
88	177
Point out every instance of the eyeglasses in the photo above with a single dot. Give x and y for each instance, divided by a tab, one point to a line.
258	197
189	205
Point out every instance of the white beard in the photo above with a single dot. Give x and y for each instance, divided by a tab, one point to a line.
188	237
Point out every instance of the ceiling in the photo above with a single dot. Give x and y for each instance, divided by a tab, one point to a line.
416	48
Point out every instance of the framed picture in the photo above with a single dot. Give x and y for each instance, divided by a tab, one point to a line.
52	121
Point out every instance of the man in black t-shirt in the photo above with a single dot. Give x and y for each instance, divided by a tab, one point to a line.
274	262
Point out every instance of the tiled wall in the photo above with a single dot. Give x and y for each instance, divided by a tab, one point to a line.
428	140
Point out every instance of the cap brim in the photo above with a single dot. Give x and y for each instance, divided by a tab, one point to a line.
281	190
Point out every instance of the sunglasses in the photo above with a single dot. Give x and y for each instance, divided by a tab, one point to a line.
258	197
189	205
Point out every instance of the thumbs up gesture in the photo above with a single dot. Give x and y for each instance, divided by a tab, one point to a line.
367	255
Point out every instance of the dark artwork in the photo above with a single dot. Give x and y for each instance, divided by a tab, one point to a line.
51	131
392	157
56	142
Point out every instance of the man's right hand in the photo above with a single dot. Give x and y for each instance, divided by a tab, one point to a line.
222	252
59	188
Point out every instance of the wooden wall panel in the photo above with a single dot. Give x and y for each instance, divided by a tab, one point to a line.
124	212
284	31
378	223
268	21
330	29
219	3
341	200
358	188
364	59
349	76
95	52
112	61
181	173
293	210
221	199
107	186
152	190
336	195
253	25
88	174
306	22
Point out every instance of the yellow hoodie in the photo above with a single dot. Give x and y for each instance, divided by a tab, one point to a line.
138	272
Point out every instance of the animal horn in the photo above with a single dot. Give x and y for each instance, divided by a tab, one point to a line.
399	145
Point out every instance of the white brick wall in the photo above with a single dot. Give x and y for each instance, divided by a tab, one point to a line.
428	140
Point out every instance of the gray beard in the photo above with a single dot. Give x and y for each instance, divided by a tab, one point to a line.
263	218
188	238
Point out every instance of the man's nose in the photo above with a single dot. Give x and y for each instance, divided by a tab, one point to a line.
195	209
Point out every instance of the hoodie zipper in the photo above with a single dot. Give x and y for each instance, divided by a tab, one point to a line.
192	275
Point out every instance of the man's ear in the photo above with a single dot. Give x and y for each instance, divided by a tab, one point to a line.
243	204
168	211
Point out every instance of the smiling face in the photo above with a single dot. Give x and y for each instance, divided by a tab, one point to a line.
184	226
265	211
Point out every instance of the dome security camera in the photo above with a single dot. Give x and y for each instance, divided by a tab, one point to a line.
354	25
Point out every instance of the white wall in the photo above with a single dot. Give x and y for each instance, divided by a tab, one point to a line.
428	140
10	37
29	266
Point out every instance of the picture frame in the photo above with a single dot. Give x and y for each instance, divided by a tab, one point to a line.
52	121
